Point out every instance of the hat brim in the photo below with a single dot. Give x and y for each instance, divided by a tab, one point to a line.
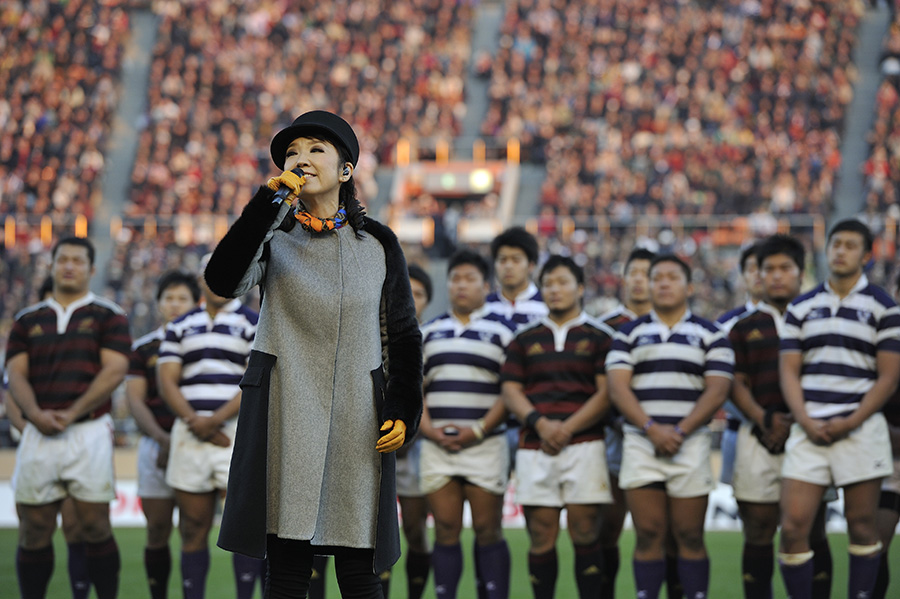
286	136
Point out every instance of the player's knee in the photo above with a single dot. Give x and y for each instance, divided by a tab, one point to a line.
862	530
584	532
759	531
649	536
690	540
446	531
158	533
487	531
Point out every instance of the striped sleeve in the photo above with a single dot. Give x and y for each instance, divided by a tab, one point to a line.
605	336
719	357
888	330
18	340
791	331
513	368
115	334
170	348
619	356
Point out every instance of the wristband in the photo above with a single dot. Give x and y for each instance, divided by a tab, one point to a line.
532	418
767	419
478	429
650	422
680	431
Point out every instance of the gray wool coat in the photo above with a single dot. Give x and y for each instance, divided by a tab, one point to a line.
316	385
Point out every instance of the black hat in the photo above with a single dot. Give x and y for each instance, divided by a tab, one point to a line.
316	121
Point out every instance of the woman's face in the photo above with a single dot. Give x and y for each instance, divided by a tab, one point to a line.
321	163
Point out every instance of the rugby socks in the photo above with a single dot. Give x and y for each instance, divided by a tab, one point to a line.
480	590
246	570
648	577
34	568
78	576
385	578
447	562
194	568
884	578
317	578
694	574
158	564
797	573
543	569
588	569
674	590
494	564
865	560
757	567
610	570
417	567
822	568
103	565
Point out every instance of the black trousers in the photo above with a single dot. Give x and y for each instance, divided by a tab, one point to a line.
290	566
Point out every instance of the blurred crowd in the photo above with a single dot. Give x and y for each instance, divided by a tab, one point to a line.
59	65
672	108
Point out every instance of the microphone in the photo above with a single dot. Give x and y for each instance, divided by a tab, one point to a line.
284	191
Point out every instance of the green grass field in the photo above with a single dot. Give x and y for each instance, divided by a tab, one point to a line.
724	549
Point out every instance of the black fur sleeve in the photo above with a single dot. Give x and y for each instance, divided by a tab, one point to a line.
233	255
403	396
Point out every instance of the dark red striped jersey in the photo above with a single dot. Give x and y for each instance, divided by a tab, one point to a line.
756	342
143	365
63	347
557	367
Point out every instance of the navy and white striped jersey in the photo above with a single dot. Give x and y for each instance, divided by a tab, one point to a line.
462	365
213	353
839	339
527	308
669	366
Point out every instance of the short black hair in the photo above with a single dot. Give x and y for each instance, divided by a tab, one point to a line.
466	256
750	251
854	226
555	261
418	273
639	254
45	288
781	244
173	278
79	241
516	237
672	258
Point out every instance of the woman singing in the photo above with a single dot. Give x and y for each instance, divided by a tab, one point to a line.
334	383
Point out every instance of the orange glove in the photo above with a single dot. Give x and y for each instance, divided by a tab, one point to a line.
393	439
290	180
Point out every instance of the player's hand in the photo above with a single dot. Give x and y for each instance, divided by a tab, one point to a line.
219	438
817	431
287	179
393	438
203	427
548	449
554	434
162	457
46	422
666	440
64	418
839	427
778	433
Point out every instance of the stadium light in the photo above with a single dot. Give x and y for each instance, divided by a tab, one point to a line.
9	231
81	226
46	230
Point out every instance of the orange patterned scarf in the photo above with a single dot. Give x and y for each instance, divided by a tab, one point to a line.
319	225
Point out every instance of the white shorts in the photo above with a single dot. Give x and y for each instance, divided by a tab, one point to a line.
757	473
485	465
577	475
77	462
407	473
863	455
891	483
686	474
151	478
196	466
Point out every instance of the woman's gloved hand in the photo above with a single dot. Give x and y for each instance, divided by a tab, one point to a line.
289	179
393	438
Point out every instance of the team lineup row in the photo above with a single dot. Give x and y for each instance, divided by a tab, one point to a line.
610	415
